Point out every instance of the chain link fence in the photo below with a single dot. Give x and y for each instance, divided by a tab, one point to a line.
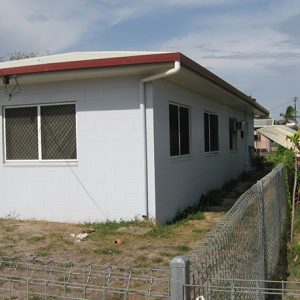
247	243
237	289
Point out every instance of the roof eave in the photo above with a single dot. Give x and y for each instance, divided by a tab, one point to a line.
130	61
197	68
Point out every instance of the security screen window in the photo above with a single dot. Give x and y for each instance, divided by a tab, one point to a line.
41	132
179	130
211	132
21	132
232	135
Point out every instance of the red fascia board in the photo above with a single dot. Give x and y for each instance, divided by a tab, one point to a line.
92	64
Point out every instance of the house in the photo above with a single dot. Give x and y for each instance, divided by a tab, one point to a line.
261	142
117	135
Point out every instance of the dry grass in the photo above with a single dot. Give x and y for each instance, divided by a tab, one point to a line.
152	249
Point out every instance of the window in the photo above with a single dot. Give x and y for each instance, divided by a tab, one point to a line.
179	130
211	132
232	134
40	132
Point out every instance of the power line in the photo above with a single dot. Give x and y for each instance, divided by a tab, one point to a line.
278	106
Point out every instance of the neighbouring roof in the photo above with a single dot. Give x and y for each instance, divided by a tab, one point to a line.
278	134
97	60
258	123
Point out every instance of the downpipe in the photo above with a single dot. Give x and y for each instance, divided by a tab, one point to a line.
143	82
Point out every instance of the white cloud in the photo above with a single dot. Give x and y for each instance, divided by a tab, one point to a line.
39	26
252	50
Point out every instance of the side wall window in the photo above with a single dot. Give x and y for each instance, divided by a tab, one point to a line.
232	134
179	125
40	132
211	132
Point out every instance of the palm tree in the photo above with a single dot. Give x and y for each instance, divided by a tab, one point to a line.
288	116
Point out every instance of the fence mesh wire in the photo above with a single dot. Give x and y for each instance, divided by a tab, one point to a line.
237	289
247	242
37	279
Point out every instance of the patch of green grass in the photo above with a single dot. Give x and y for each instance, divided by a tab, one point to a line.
108	251
162	231
182	248
297	220
60	238
9	238
196	216
46	250
166	254
157	260
110	227
34	298
199	231
141	258
9	228
35	238
142	265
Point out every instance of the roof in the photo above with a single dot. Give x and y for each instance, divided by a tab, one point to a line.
278	134
96	60
258	123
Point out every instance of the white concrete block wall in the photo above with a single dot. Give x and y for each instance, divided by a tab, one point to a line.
180	181
106	183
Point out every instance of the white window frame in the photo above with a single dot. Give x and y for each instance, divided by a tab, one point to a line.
215	114
39	160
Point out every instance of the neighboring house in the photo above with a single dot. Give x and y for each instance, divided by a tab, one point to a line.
262	143
112	135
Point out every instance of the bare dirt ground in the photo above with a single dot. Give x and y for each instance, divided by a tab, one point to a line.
154	248
142	244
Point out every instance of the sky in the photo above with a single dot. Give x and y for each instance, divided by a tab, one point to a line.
252	44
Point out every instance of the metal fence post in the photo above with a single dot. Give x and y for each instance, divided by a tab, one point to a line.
278	206
180	277
262	244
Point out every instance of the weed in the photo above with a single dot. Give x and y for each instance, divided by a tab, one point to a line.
108	251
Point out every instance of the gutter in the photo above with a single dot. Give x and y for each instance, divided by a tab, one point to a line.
143	82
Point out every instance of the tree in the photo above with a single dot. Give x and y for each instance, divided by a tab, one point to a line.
18	55
295	139
288	116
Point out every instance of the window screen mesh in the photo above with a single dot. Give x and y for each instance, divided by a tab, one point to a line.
21	133
184	130
214	133
58	132
174	128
